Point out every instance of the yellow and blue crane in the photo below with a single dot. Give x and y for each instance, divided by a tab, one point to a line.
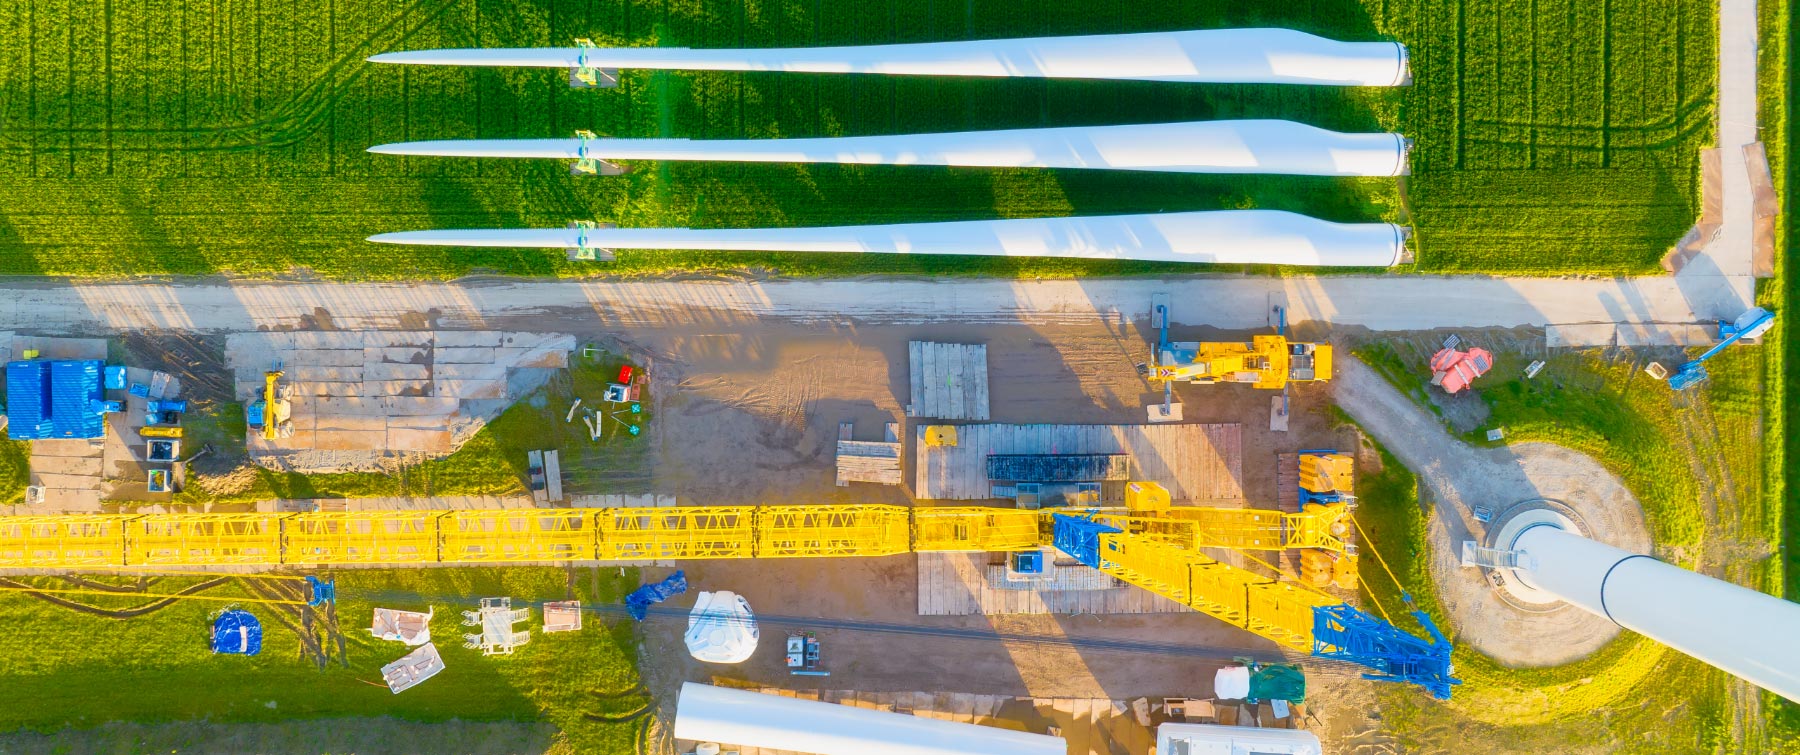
1164	551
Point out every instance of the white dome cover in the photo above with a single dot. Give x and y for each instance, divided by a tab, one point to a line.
721	628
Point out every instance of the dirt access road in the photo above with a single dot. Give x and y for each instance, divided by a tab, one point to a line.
1456	478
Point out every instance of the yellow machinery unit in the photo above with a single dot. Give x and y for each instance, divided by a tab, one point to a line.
1266	362
1325	472
1146	498
940	435
1328	483
272	414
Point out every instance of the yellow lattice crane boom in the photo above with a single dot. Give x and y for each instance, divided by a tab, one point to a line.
1174	551
1162	553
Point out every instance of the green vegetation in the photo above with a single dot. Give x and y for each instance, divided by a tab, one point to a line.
68	668
490	463
15	470
1554	137
1683	456
1775	92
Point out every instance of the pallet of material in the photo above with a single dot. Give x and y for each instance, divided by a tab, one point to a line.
867	461
948	381
1059	467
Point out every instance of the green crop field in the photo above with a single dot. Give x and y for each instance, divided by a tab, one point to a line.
69	667
141	137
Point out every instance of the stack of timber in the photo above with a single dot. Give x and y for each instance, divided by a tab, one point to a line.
868	461
948	380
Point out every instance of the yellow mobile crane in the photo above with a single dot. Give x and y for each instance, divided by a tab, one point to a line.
1268	362
271	414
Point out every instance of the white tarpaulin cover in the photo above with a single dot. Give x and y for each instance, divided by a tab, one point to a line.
721	628
1231	56
1231	683
1247	146
1266	237
413	668
410	627
748	719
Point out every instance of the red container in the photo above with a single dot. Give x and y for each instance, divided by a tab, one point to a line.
625	375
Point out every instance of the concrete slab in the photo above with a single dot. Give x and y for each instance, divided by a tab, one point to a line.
1628	334
325	389
399	388
68	481
356	422
66	465
465	389
469	372
301	439
397	354
432	441
374	371
349	440
310	373
461	338
323	358
471	355
364	406
69	500
316	339
397	338
77	447
414	406
524	340
544	358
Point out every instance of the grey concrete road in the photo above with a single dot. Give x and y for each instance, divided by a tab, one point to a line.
1628	311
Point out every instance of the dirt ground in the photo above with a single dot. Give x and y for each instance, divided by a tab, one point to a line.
750	416
747	413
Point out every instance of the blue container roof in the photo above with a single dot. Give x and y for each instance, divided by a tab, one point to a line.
54	399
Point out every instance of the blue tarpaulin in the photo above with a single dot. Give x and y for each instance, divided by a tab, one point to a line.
54	399
641	599
237	632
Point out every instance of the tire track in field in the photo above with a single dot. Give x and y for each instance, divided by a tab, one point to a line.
288	123
123	613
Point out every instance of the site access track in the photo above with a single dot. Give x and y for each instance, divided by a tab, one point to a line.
1623	311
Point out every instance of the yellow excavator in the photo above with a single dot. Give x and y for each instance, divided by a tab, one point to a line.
272	414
